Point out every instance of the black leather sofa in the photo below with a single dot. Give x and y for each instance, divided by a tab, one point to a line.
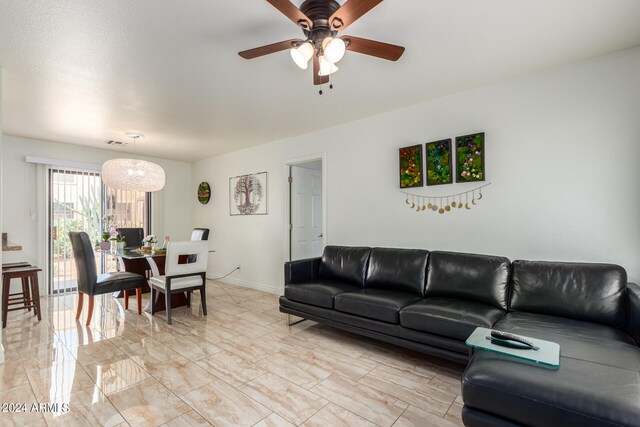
432	301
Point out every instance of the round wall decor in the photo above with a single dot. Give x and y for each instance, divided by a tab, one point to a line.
204	193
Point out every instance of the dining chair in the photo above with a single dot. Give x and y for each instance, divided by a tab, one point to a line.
91	283
200	234
182	277
197	234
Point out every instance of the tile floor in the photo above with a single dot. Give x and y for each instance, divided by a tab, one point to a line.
239	366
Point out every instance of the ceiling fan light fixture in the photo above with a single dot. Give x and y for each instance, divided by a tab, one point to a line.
334	49
326	67
302	54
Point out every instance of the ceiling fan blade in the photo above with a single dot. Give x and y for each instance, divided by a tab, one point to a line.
270	48
387	51
351	11
292	12
318	80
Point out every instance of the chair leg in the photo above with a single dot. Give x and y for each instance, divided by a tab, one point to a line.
203	298
153	300
25	292
167	297
126	300
139	298
35	293
80	301
6	285
90	310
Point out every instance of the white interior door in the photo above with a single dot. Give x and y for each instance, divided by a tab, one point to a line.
306	211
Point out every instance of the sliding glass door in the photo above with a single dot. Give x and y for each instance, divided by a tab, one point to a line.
75	204
78	201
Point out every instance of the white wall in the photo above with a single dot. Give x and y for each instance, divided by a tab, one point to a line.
562	152
24	196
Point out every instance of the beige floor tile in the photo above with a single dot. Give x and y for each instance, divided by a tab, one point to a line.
244	327
294	369
190	419
46	355
231	368
212	332
95	352
192	347
115	374
85	408
148	403
261	318
57	381
448	380
180	375
150	350
455	413
335	416
21	399
360	399
250	349
223	405
416	417
288	400
411	389
12	374
339	363
273	420
402	359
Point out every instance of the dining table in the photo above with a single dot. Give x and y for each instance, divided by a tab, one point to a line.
147	265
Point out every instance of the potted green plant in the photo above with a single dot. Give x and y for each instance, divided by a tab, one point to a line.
105	244
117	239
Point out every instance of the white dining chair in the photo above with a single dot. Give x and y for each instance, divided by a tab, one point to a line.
182	277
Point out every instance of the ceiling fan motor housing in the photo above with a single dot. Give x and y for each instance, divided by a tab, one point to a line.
319	12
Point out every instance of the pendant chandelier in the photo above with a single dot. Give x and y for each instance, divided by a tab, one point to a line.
133	174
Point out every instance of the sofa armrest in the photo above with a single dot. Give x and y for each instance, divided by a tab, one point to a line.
633	297
304	270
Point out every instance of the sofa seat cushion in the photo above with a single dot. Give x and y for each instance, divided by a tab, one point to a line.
578	393
319	293
580	340
378	304
449	317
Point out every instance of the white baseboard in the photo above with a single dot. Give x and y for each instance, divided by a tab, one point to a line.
246	284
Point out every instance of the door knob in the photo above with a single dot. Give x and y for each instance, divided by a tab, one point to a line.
320	235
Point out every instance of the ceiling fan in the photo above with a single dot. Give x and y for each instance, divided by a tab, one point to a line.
320	21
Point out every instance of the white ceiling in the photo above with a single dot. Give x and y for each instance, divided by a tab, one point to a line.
85	71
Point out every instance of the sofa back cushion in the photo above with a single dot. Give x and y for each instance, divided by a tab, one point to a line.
481	278
581	291
402	270
345	264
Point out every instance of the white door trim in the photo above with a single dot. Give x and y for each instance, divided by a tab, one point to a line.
286	200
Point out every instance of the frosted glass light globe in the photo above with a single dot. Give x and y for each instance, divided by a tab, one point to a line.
302	54
326	67
334	49
133	174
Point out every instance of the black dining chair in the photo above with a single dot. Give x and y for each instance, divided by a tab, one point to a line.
197	234
91	283
200	234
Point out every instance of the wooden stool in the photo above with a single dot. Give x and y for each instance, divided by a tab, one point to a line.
25	285
28	298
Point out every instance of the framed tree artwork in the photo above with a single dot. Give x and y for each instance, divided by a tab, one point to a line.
470	158
411	166
248	194
439	164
